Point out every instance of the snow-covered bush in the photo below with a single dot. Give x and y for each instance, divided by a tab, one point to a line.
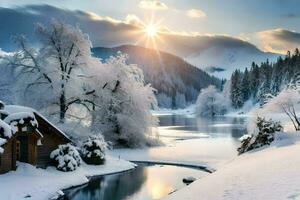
66	158
93	150
211	102
263	135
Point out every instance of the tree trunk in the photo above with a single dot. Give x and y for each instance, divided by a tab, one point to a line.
62	103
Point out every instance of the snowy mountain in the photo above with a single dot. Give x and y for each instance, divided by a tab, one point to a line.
226	60
219	52
178	83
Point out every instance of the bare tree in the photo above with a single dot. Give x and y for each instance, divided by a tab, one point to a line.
289	110
286	101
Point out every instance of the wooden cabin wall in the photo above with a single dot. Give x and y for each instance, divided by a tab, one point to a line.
50	142
8	158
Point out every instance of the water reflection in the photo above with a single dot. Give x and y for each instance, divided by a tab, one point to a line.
143	183
213	127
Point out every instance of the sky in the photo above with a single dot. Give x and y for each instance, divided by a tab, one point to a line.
270	25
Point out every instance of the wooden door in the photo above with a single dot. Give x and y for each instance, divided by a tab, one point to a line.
23	148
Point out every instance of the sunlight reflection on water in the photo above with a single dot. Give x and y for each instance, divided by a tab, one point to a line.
143	183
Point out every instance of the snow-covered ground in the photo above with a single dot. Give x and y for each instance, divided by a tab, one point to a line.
207	152
269	173
38	184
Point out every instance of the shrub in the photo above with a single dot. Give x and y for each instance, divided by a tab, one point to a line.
266	130
66	158
93	150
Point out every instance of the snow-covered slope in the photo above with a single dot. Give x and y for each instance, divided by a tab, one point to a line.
270	173
222	61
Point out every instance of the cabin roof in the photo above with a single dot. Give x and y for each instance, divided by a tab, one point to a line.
16	115
10	109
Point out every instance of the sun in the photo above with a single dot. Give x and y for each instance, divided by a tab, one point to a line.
150	33
151	30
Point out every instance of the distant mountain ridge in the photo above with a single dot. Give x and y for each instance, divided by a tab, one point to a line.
229	59
178	83
216	51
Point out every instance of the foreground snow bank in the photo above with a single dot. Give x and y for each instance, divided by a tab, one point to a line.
269	173
39	184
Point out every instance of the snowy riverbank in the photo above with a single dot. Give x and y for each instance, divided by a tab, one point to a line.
268	173
189	140
37	184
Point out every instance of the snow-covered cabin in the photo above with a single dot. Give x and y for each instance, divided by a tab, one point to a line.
26	136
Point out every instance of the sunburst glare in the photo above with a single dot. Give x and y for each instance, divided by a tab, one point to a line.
151	33
151	30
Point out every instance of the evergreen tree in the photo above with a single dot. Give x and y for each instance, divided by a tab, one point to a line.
254	77
245	85
236	90
265	80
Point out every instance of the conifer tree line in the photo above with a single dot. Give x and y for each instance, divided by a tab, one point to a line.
261	81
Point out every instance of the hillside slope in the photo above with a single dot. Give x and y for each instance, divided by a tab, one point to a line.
270	173
178	83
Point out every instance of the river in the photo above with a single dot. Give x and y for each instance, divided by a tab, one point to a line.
188	140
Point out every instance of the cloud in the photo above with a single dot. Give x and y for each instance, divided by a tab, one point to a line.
133	20
103	31
279	40
109	32
94	16
195	13
152	5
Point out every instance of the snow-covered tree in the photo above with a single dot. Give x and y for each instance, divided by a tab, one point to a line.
62	79
7	78
54	72
285	102
124	115
211	102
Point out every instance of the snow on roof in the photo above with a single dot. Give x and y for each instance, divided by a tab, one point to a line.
5	132
60	131
2	142
10	109
20	118
17	115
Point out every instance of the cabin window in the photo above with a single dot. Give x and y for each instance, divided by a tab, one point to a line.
24	129
39	142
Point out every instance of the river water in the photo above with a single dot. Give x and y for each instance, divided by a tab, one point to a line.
192	140
189	140
143	183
